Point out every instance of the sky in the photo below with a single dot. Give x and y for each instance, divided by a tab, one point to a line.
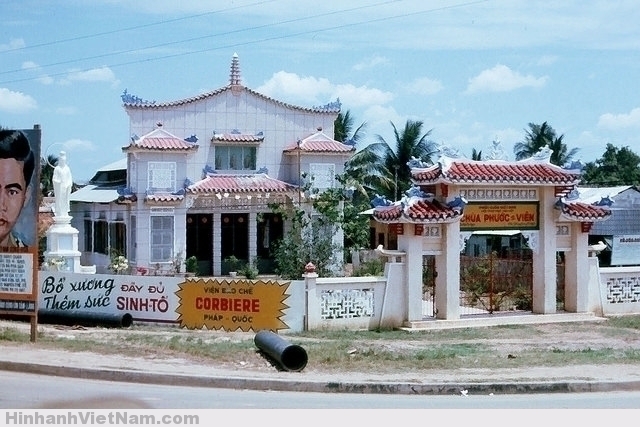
471	71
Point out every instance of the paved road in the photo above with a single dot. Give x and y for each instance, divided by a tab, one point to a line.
21	391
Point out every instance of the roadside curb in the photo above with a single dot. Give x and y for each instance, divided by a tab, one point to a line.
514	387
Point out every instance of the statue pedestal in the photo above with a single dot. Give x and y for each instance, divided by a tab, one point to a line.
62	247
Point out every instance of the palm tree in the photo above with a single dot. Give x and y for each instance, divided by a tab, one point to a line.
383	169
540	136
342	127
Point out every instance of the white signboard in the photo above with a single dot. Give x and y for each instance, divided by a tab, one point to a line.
625	250
145	298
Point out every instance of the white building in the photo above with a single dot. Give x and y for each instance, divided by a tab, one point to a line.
199	176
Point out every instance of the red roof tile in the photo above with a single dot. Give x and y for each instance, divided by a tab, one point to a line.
159	139
163	198
417	210
258	183
320	142
496	171
237	137
578	211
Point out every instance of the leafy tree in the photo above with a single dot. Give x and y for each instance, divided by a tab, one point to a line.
383	169
617	166
310	238
343	127
540	136
476	155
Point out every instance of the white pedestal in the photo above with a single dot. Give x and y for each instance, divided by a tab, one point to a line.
62	245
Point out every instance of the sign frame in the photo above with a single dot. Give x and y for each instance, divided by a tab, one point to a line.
503	216
24	302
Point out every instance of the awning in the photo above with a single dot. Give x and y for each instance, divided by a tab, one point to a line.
94	194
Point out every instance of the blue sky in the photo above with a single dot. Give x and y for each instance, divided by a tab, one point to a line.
472	71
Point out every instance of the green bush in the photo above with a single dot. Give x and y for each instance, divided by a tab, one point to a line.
372	267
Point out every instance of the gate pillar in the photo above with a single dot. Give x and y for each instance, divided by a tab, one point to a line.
412	246
544	259
447	292
576	282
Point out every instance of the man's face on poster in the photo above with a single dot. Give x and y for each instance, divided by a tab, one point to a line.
13	195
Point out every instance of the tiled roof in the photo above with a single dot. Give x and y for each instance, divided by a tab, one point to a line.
159	139
237	137
255	183
185	101
320	142
417	210
578	211
163	198
466	171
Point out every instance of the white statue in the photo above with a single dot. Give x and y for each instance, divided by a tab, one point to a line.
62	182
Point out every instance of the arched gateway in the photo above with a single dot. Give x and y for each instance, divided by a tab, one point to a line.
456	196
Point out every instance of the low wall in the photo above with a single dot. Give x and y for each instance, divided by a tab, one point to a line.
620	290
353	303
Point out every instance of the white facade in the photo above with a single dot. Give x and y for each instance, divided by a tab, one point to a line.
200	175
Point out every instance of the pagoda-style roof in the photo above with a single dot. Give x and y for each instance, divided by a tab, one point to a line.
160	140
417	210
583	212
319	142
132	102
247	183
536	170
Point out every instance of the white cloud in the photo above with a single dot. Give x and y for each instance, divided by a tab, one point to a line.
13	44
78	145
30	65
102	74
45	79
502	79
371	63
66	111
620	121
424	86
16	102
312	90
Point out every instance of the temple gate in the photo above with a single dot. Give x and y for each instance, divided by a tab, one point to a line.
456	196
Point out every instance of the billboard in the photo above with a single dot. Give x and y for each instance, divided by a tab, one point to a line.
19	199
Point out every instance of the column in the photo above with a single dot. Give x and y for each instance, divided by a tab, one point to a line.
412	246
217	244
544	259
576	273
447	292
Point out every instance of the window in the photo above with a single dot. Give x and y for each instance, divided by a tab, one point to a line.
323	175
229	157
101	237
118	237
162	177
132	238
88	234
161	238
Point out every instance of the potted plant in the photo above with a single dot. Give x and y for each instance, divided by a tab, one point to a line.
249	270
191	265
233	264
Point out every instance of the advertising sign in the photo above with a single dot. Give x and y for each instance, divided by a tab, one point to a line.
625	249
232	304
19	185
145	298
496	216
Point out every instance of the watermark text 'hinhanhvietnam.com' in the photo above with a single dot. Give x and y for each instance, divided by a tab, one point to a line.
102	417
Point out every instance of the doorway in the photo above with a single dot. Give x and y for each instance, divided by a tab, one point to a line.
200	241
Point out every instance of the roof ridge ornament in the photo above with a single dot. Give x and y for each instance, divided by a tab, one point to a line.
128	98
497	152
543	154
